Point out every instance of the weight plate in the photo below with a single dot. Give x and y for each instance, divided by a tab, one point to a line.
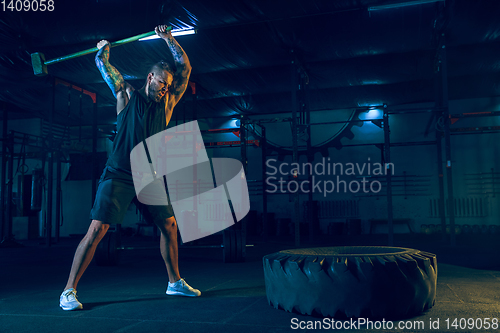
233	245
107	253
101	253
114	253
226	250
238	247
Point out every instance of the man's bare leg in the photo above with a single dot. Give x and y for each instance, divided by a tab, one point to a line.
170	254
85	252
168	248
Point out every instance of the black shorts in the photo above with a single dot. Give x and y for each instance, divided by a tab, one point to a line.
115	193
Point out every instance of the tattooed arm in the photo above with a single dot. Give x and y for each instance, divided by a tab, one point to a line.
181	60
120	89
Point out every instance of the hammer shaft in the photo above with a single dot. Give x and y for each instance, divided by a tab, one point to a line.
95	49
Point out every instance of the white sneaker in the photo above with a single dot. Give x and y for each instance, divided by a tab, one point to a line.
181	288
68	300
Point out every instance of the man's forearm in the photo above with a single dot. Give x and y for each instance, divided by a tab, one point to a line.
109	73
180	57
183	68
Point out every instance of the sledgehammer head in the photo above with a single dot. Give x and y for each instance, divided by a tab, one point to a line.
38	63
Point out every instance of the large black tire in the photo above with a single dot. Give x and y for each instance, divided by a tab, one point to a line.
352	281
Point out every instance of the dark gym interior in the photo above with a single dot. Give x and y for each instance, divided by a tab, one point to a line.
364	128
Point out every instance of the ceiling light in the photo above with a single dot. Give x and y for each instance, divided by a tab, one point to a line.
373	113
175	33
401	4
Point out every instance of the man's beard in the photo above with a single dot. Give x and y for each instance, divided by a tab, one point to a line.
155	94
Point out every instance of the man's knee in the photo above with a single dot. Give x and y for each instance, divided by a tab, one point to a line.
97	229
169	226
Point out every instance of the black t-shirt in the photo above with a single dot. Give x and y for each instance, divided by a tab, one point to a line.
137	121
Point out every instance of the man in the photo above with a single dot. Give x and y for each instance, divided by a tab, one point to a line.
141	113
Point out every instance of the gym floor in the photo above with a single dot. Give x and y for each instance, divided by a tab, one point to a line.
131	297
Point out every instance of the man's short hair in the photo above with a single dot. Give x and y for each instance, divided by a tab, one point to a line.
160	66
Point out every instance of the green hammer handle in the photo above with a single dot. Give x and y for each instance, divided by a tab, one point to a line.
95	49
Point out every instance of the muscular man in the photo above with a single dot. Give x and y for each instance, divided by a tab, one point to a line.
141	113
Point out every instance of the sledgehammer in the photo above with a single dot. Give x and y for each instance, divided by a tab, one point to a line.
40	65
